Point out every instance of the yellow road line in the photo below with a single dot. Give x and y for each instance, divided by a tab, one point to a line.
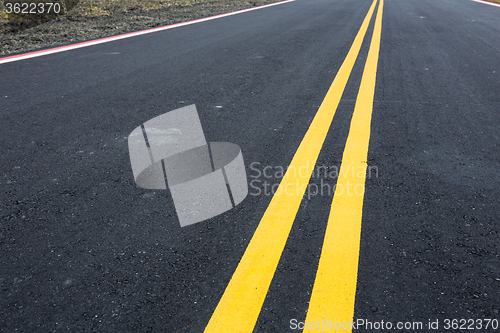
334	290
242	301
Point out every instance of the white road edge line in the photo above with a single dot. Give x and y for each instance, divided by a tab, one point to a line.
127	35
488	3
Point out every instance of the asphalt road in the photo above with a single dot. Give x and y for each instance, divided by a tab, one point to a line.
82	248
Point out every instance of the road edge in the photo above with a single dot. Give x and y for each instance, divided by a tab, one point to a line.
59	49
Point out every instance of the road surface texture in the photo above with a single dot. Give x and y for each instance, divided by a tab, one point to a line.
83	249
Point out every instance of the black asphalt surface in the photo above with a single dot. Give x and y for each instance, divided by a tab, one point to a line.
83	249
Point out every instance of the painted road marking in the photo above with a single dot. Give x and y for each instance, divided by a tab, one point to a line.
128	35
240	305
334	289
488	3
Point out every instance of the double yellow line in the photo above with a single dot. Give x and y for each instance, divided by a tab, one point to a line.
335	285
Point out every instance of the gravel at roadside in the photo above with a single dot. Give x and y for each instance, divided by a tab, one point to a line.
76	27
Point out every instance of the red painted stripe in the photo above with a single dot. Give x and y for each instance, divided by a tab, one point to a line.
488	3
127	35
